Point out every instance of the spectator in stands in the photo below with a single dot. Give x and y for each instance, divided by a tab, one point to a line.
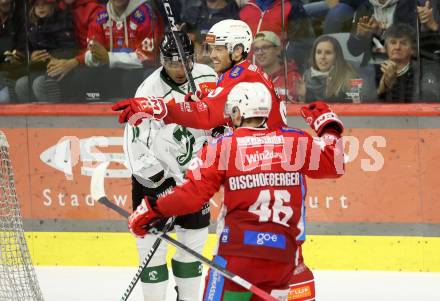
330	77
50	36
267	52
332	15
84	12
122	41
373	18
398	77
429	16
199	19
265	15
59	84
12	46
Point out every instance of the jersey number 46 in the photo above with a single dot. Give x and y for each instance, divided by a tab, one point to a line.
279	213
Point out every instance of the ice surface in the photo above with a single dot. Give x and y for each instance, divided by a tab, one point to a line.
109	283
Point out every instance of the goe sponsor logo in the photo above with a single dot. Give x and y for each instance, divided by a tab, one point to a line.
265	239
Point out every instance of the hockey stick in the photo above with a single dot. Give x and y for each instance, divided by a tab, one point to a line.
183	58
284	53
98	194
231	276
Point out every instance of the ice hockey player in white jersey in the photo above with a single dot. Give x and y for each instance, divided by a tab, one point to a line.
158	155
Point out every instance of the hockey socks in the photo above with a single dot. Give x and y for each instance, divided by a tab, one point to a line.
154	282
188	278
155	274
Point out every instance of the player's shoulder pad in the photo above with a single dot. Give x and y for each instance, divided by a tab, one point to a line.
291	130
102	16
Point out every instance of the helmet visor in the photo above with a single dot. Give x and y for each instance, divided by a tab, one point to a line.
174	62
210	39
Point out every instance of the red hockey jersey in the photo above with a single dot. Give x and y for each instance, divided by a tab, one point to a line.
263	173
208	112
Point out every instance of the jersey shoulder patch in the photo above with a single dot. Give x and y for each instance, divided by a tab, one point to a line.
236	71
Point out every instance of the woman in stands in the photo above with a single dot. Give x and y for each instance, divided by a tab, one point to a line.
50	37
330	76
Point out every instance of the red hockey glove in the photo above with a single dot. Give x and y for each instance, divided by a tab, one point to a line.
142	107
143	219
319	116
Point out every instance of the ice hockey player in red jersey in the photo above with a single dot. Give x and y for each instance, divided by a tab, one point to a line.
263	173
230	42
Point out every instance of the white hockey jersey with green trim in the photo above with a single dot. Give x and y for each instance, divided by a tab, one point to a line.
153	146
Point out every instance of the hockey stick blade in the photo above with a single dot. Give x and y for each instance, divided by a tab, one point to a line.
97	182
97	189
231	276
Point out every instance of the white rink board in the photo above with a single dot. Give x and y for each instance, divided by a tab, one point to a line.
109	283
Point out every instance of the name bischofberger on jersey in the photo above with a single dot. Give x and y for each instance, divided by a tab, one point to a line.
276	179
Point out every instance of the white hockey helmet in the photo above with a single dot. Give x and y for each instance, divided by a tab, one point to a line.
252	99
230	33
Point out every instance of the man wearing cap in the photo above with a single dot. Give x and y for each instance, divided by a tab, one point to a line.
267	54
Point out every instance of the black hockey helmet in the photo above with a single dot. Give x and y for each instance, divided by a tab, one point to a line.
168	47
